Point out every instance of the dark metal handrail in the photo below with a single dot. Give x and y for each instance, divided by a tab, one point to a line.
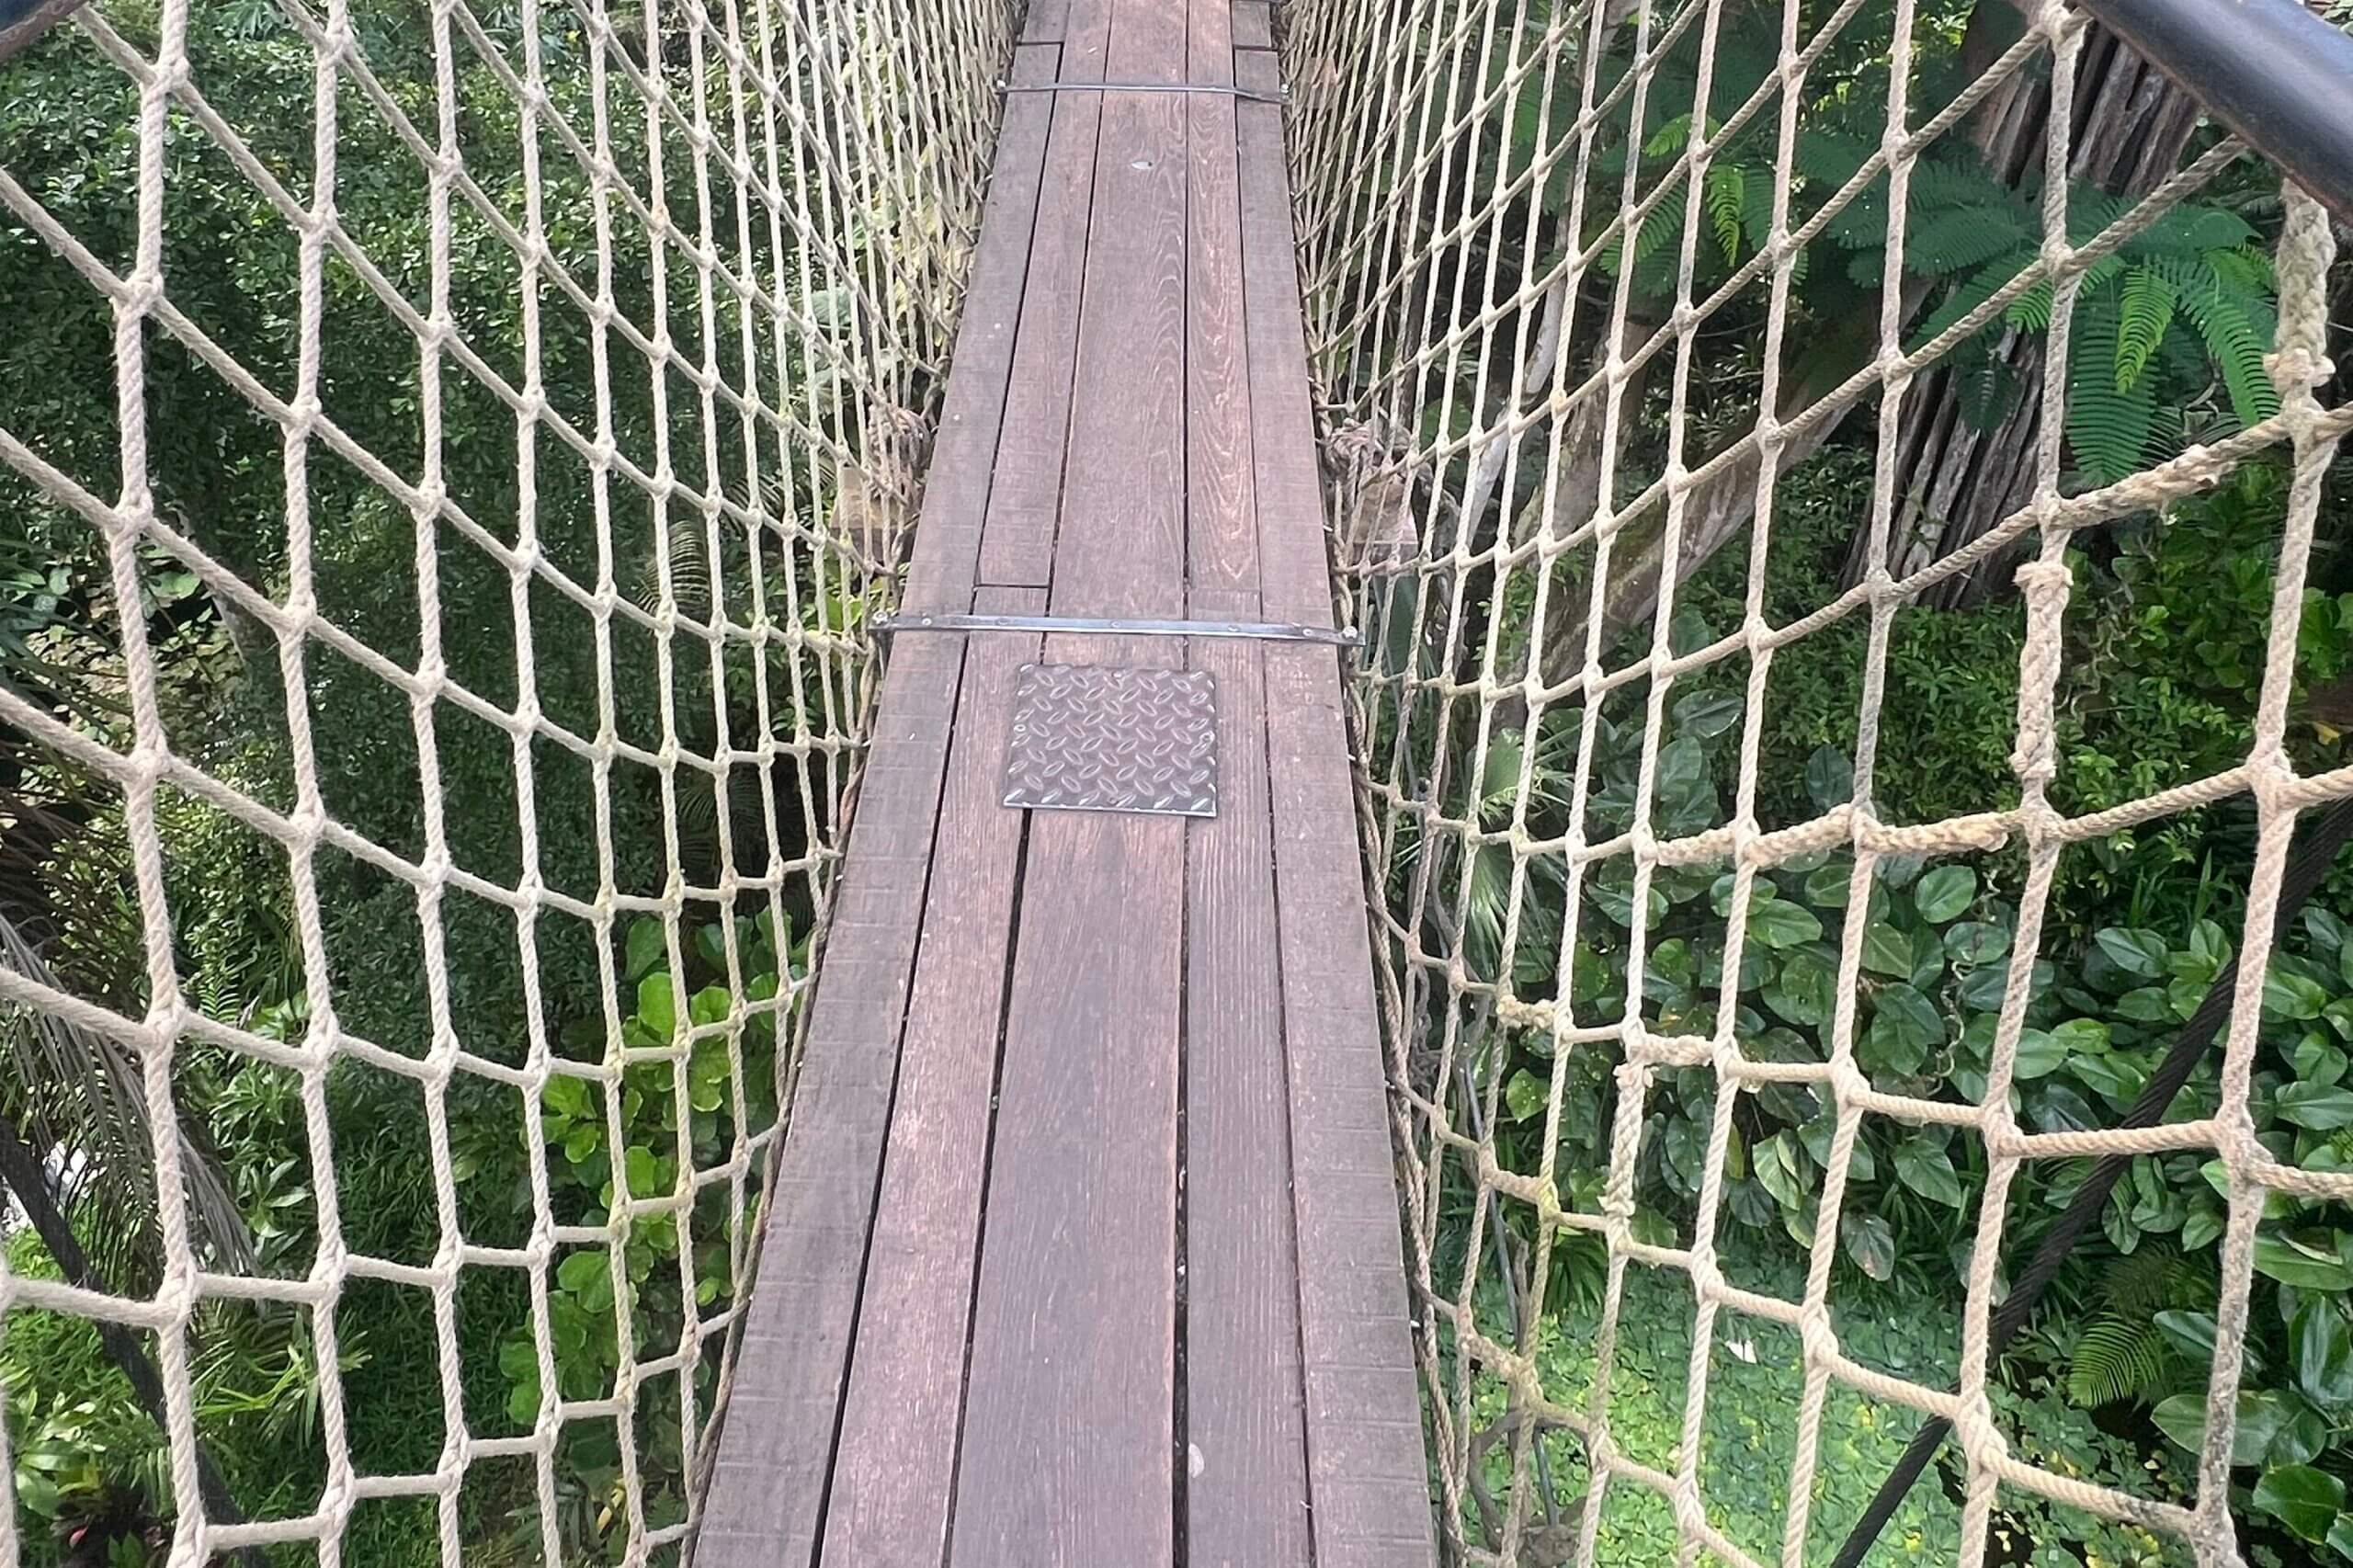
2273	72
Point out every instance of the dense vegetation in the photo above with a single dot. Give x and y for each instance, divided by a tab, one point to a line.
2165	648
2165	638
412	978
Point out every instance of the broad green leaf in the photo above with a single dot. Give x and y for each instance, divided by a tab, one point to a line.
1706	714
2307	1267
1802	992
1975	942
646	948
1943	893
1825	886
1782	923
1887	950
2039	1055
2082	1036
2324	1357
566	1095
709	1006
1922	1164
2260	1416
657	1005
2317	1060
579	1272
1870	1242
2317	1105
2290	996
1524	1095
1904	1029
2341	1536
2304	1499
1829	777
1781	1165
2137	952
643	1171
523	1401
518	1359
2117	1078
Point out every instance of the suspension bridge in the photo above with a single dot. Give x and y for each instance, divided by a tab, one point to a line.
963	734
1084	1244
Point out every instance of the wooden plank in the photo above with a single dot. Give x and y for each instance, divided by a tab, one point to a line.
1244	1400
1245	1443
971	415
1069	1426
1294	573
1221	545
1066	1456
769	1480
1017	541
1367	1472
894	1461
1254	25
1046	21
769	1477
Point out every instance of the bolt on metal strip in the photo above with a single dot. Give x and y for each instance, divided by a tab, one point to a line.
1226	88
1256	631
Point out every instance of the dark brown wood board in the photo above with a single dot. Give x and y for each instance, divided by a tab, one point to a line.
971	413
895	1458
1017	541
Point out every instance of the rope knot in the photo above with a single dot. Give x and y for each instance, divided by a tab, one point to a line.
2298	366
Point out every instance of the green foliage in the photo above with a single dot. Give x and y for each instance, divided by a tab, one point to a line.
664	1116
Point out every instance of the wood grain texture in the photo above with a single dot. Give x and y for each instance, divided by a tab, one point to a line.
971	413
895	1458
768	1484
1254	25
1066	1454
1294	572
1018	541
1069	1425
1045	21
1244	1400
1367	1475
1222	543
1244	1388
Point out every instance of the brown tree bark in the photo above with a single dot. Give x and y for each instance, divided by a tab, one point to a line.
2131	126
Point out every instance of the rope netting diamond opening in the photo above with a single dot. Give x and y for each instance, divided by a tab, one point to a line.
1686	371
453	453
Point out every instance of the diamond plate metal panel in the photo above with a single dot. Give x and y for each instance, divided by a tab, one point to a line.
1103	738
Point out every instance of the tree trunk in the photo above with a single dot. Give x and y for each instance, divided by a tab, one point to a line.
2131	126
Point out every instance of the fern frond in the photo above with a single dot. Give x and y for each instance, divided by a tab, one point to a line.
2145	311
1725	191
2246	268
2155	1279
2234	339
1955	239
1982	284
2117	1356
2032	310
1669	139
2108	425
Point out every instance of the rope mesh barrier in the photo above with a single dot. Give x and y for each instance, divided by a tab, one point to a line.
1532	237
674	285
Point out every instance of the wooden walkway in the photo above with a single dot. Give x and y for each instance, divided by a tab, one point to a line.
1084	1245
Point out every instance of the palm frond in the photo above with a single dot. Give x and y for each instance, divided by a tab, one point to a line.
75	1092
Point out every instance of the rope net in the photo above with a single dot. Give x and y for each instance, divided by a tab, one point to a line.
453	453
1618	314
